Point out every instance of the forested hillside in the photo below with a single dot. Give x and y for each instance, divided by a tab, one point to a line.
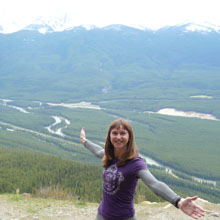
31	172
34	173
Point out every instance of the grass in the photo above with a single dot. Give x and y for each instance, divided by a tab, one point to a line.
81	204
53	192
14	197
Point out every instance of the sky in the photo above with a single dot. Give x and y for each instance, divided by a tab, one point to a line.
154	14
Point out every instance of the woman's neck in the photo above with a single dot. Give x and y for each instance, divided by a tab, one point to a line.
119	153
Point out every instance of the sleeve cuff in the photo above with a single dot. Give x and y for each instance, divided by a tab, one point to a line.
176	202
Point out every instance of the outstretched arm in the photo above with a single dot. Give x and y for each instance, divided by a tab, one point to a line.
97	150
159	188
162	190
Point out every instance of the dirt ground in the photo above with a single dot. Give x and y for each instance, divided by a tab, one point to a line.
17	207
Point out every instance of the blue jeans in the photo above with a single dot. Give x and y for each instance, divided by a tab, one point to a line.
100	217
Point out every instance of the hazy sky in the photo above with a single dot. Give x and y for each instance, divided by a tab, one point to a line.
147	13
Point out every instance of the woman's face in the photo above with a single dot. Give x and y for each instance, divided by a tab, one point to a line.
119	138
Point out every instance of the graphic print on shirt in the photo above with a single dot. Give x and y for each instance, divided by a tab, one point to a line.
112	179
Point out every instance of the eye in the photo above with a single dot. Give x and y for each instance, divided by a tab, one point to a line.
114	133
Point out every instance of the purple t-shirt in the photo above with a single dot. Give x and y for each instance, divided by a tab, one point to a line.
119	184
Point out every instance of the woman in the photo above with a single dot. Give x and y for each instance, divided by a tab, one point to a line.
122	169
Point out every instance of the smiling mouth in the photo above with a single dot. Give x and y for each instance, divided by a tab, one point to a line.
119	143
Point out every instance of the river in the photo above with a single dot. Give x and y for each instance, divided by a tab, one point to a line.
58	120
169	170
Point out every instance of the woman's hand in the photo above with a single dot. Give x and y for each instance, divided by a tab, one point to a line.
82	136
190	208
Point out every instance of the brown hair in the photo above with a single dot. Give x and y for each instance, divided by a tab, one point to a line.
131	151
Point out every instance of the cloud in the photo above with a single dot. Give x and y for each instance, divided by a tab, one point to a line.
148	13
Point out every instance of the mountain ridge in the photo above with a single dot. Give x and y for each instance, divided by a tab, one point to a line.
63	23
105	54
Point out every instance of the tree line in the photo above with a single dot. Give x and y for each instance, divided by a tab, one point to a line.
29	172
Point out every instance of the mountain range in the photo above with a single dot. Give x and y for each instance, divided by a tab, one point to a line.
65	22
98	57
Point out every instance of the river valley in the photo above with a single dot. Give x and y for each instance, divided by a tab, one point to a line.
60	123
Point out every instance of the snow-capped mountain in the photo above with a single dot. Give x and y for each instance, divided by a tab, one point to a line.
42	28
202	27
64	22
110	52
45	27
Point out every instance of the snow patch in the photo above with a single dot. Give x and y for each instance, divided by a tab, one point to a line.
201	96
174	112
77	105
203	27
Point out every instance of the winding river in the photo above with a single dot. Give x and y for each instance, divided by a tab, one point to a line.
6	101
58	120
